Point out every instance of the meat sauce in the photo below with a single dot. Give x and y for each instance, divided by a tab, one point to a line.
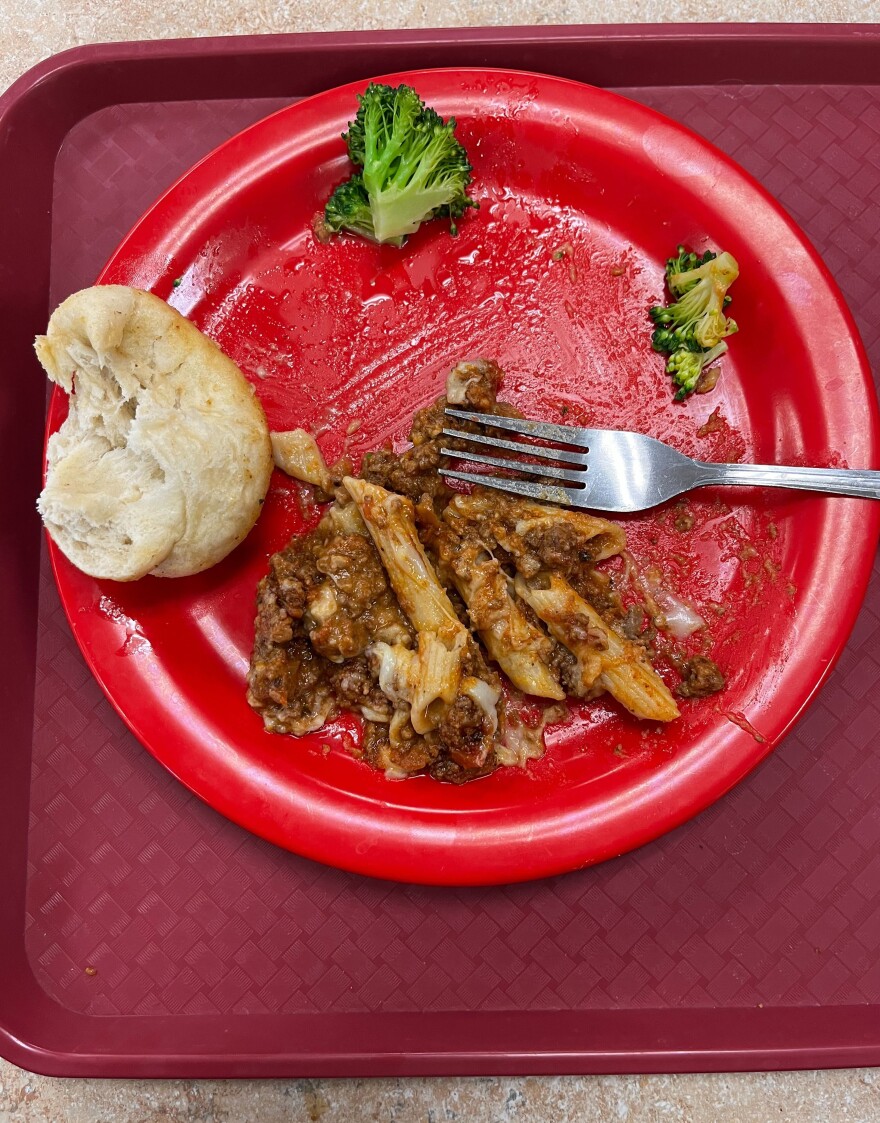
326	599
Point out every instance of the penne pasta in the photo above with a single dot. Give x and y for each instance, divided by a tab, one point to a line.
347	519
426	681
537	535
422	685
605	659
391	523
598	538
516	645
296	452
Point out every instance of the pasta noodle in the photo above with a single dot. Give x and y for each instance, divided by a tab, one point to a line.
391	523
426	681
421	685
604	657
296	452
520	525
517	646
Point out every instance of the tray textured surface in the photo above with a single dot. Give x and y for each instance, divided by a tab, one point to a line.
770	897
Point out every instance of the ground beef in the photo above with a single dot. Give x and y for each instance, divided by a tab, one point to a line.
354	580
461	733
340	637
325	598
293	571
477	382
412	754
699	677
582	632
564	665
598	589
274	624
633	626
475	665
290	685
355	686
450	772
412	473
428	423
560	547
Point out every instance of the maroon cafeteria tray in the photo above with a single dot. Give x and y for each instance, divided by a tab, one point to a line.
143	935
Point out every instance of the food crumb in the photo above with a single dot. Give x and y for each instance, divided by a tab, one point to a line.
772	531
739	719
712	424
343	467
305	496
91	971
320	229
708	379
617	271
684	521
566	250
699	676
325	749
618	750
353	428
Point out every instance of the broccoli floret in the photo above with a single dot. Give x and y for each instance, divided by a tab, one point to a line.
687	366
692	329
673	339
721	269
414	168
696	320
348	208
383	110
684	261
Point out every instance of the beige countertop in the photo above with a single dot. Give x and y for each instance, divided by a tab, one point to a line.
34	29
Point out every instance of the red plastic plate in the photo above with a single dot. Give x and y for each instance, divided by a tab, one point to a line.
349	339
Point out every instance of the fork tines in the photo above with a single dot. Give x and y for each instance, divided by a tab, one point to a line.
556	457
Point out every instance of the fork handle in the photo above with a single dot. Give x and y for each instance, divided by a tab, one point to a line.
860	482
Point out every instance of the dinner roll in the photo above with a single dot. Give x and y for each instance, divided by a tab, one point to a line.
164	460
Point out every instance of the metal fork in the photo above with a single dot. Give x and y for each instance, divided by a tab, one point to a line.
621	471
